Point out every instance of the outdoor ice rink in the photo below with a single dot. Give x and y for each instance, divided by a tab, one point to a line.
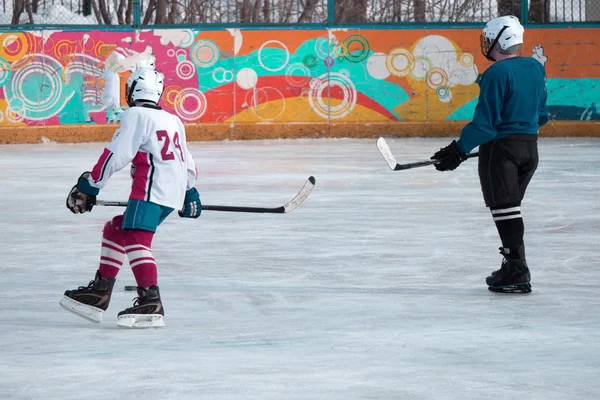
374	288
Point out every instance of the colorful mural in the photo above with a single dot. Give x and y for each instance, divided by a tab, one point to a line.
235	76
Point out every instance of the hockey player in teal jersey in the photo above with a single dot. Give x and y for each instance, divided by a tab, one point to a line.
509	113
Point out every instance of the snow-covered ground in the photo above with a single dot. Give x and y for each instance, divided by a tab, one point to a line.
51	14
374	288
69	12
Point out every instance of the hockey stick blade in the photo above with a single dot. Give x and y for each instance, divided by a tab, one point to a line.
301	196
385	151
285	209
389	158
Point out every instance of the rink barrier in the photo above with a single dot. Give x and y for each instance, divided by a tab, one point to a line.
209	132
272	83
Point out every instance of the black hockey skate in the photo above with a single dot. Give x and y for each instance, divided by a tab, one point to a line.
513	276
502	266
147	310
89	301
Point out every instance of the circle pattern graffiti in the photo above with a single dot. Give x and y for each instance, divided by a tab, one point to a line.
310	60
340	51
98	46
87	44
5	72
48	45
169	96
204	53
422	66
324	84
321	47
436	77
186	96
189	40
185	70
444	94
263	103
278	68
15	112
221	75
466	60
36	105
180	54
356	56
65	50
400	62
12	116
15	46
246	78
297	75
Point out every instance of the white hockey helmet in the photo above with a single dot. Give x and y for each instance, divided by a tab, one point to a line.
504	31
144	84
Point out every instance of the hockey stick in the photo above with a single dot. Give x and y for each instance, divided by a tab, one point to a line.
285	209
389	158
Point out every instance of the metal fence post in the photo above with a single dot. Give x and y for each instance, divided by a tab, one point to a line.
330	13
137	14
524	12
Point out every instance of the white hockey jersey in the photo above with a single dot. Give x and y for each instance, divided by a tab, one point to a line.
154	142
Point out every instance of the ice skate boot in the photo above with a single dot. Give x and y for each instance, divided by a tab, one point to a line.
502	266
513	276
89	301
147	310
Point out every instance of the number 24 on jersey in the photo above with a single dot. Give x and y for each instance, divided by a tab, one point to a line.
166	153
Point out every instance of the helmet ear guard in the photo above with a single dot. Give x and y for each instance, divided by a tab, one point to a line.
487	45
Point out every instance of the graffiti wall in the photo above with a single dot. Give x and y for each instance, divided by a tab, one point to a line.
230	77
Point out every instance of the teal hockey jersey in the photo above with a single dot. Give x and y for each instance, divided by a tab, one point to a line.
512	100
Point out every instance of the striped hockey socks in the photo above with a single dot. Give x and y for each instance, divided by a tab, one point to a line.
509	223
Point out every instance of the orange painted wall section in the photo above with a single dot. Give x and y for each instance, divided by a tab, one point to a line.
283	83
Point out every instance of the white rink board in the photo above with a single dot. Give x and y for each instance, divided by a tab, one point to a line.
374	288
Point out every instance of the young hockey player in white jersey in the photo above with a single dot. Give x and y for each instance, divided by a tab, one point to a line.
164	174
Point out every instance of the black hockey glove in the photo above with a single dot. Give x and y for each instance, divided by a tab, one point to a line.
449	157
82	196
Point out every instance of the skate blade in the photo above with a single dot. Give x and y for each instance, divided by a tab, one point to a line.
90	313
523	288
141	321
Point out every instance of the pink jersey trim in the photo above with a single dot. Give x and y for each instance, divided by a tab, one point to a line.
100	167
139	187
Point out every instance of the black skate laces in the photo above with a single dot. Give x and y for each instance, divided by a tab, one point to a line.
88	287
137	301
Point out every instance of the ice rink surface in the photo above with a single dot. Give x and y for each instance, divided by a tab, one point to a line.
374	288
